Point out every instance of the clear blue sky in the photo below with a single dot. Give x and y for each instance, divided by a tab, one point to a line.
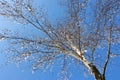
12	72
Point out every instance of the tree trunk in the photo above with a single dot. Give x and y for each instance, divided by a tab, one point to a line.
91	67
96	73
100	77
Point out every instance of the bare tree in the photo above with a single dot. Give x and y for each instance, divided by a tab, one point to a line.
89	26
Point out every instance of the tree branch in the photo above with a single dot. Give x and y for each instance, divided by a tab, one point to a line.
108	53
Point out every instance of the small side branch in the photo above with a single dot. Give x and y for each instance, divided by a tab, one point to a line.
18	38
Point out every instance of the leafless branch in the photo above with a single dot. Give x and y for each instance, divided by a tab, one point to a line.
109	52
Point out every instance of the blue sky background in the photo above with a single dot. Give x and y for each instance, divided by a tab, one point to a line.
12	72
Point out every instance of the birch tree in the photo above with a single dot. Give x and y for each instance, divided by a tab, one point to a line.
89	26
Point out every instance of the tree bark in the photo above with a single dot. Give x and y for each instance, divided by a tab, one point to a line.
96	73
91	67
